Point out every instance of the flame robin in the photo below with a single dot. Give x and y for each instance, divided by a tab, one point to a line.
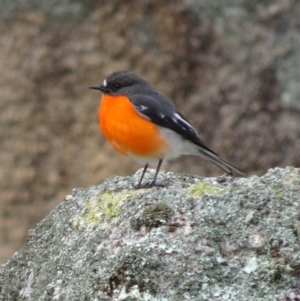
141	123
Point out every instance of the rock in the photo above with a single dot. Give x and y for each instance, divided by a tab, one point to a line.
231	67
195	239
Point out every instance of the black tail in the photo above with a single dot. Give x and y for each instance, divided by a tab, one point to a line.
214	158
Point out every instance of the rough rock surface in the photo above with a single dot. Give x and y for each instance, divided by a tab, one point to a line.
232	68
196	239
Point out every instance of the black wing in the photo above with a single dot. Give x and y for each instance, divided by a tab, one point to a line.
161	111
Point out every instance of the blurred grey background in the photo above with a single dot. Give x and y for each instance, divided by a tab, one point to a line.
230	66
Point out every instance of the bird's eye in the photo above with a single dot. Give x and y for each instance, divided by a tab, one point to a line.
116	87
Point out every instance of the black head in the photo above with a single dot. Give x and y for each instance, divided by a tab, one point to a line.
121	82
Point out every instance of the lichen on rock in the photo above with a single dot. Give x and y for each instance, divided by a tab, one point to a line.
235	239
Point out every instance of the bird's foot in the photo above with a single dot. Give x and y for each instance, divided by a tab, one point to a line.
148	185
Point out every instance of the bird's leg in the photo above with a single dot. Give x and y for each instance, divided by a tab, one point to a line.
153	183
141	179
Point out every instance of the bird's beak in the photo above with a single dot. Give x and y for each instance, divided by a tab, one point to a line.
101	88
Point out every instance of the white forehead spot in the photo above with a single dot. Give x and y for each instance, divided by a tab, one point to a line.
104	83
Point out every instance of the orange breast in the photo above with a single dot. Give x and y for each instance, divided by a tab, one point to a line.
127	131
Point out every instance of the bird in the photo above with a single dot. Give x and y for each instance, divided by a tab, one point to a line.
142	124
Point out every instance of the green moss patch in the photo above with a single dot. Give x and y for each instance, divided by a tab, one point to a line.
278	192
100	210
153	216
204	188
